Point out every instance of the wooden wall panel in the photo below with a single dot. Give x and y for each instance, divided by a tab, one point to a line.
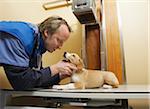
92	43
113	41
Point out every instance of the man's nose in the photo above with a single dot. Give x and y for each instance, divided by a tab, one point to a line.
60	46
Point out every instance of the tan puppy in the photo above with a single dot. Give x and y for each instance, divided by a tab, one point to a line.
84	78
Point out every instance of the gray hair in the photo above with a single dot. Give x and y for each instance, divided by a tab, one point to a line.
52	24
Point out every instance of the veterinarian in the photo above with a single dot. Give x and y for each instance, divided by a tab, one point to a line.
21	47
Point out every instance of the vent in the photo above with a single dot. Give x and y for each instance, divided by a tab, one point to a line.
85	11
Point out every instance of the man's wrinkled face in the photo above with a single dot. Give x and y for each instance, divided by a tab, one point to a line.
57	39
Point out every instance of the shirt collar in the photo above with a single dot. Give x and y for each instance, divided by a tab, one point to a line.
41	45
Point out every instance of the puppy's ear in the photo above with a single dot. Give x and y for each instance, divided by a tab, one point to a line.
80	65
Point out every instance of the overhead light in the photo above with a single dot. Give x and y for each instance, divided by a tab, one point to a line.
53	4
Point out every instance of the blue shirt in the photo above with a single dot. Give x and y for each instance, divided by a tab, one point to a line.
20	47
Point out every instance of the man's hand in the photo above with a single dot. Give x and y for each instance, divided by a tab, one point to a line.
65	69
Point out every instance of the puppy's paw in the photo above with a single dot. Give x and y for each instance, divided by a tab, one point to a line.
107	86
64	87
59	87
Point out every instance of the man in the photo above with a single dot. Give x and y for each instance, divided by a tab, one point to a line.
22	45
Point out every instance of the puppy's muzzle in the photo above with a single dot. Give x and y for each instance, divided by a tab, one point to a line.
65	54
65	58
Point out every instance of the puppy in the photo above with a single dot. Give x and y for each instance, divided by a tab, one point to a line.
85	78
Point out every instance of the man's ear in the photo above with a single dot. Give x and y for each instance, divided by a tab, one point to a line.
46	33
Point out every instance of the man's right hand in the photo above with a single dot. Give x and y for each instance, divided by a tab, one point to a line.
65	69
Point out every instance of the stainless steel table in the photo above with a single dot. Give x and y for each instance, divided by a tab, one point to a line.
123	92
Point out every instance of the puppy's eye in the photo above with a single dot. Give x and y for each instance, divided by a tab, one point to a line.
73	55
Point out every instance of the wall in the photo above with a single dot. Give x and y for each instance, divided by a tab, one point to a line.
134	18
134	29
149	43
149	40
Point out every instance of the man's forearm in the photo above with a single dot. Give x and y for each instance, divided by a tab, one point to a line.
22	78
